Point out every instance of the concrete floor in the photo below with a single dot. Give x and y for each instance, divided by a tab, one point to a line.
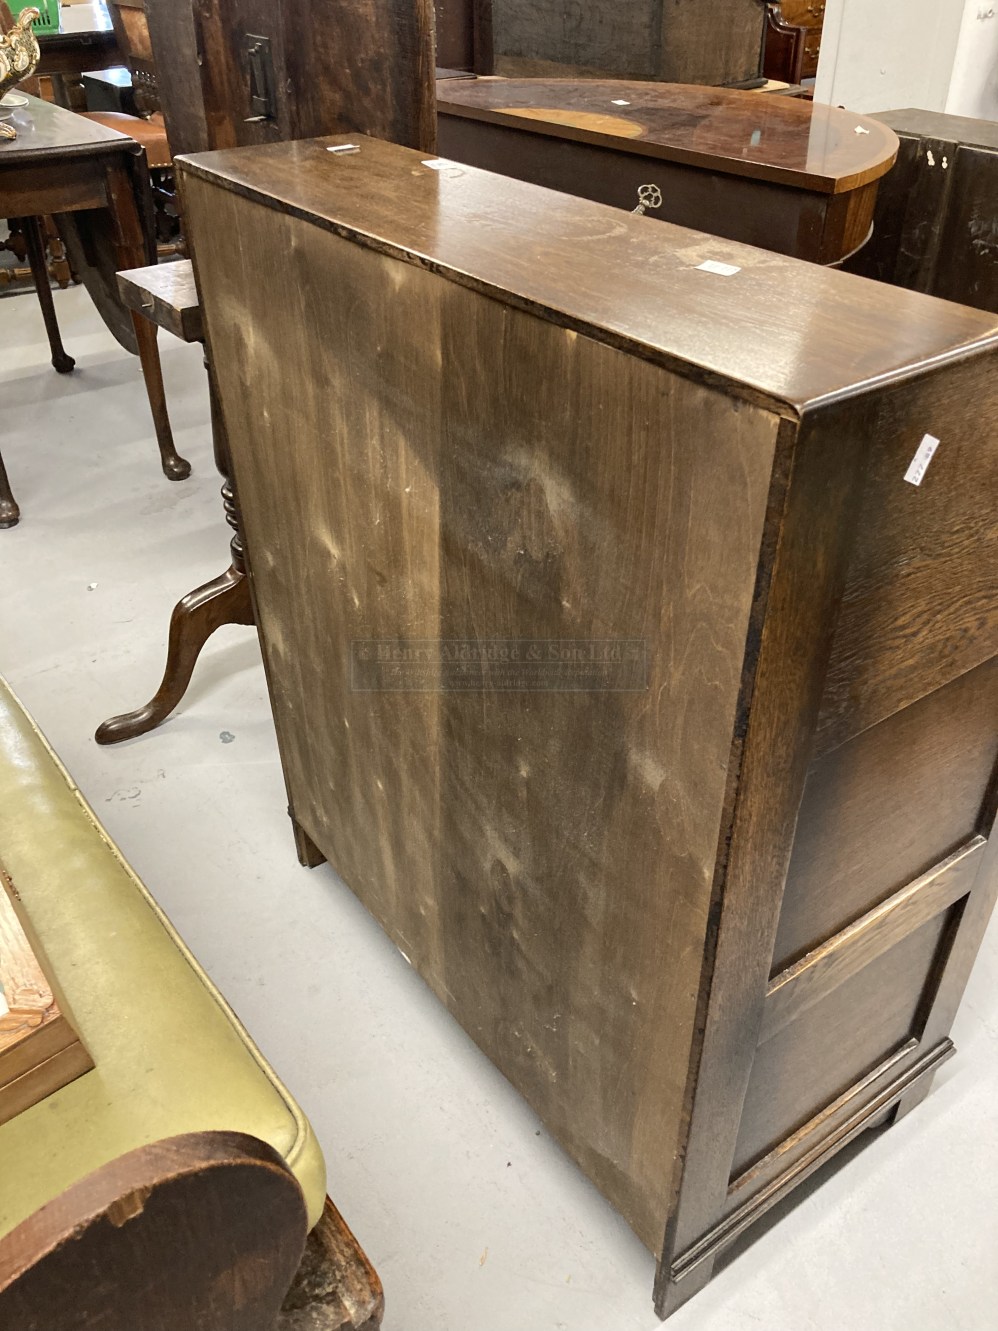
473	1217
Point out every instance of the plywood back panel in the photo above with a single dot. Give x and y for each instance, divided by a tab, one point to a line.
441	466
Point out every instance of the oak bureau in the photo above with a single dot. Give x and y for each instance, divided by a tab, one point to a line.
632	656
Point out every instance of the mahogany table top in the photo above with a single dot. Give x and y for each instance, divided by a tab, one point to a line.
784	139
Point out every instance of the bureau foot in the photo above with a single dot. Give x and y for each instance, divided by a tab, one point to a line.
10	514
309	854
224	600
670	1295
911	1099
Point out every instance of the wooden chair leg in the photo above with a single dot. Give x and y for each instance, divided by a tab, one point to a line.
10	514
224	600
39	271
175	468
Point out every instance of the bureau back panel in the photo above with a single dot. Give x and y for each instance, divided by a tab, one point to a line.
430	464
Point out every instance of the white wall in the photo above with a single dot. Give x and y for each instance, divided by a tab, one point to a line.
877	55
973	88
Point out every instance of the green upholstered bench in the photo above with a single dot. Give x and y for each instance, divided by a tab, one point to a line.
180	1122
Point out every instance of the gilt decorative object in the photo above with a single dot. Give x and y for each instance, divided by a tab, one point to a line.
19	56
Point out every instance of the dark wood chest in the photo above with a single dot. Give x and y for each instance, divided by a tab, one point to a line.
632	657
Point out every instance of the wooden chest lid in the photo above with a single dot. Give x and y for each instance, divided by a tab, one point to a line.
783	139
629	281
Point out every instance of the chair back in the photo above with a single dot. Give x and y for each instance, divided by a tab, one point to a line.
128	18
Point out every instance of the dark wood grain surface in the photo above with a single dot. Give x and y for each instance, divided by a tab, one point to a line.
384	87
783	139
44	129
165	293
625	280
474	532
586	442
203	1230
681	41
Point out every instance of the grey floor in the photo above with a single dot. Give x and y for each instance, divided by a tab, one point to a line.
474	1218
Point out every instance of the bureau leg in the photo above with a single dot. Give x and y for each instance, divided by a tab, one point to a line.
670	1295
35	244
309	854
10	514
911	1099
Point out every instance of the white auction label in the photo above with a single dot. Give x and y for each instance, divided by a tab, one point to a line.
721	269
619	101
920	462
439	163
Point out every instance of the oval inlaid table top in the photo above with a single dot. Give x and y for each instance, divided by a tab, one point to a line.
784	139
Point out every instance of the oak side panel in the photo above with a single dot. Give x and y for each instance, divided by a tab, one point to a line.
806	1064
919	606
887	806
415	460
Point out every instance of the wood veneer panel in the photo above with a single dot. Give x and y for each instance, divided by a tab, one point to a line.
678	41
919	606
500	477
886	807
807	1064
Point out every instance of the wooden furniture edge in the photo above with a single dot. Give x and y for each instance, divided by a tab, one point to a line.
837	959
727	1230
730	166
203	1190
796	609
780	405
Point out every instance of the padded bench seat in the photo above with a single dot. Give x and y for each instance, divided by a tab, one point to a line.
169	1055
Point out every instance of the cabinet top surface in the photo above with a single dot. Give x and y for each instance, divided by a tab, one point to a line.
777	330
784	139
938	125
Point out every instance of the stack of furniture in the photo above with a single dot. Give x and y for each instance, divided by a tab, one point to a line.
173	1184
632	645
808	15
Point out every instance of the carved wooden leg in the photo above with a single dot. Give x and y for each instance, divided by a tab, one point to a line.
224	600
10	514
39	271
128	195
175	468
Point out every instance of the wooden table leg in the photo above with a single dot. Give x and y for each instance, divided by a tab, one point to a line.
175	468
10	514
35	244
224	600
135	246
